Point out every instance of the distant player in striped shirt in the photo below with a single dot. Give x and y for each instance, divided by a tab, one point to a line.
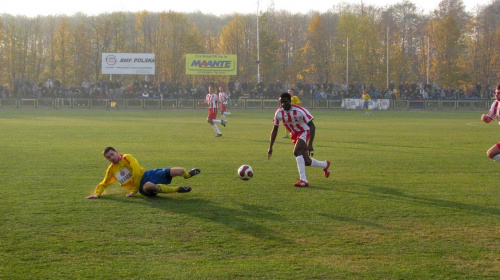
493	113
212	100
223	98
299	122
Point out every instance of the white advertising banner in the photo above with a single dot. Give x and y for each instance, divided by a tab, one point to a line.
351	104
383	104
128	63
356	103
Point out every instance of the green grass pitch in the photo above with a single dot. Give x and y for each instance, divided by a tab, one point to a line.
412	195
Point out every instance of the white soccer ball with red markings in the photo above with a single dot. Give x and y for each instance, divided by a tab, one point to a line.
245	172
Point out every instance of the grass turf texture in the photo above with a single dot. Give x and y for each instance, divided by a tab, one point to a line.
412	195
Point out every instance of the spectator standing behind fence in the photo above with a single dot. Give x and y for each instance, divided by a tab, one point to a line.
85	87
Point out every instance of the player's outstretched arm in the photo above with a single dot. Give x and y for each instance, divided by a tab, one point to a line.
312	134
269	152
94	196
274	133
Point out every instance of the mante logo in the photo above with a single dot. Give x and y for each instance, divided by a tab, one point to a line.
212	64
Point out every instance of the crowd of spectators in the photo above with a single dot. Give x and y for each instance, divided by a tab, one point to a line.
164	90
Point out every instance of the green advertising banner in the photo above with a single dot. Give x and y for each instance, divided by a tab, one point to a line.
211	64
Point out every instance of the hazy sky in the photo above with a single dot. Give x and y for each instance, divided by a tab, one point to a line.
33	8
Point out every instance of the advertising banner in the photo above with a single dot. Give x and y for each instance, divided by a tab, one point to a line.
128	63
383	104
375	104
211	64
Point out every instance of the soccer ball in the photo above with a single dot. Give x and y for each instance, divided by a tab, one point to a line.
245	172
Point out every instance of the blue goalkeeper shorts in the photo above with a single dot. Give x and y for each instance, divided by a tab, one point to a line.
155	176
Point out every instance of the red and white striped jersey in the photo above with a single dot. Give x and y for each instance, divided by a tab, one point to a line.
295	120
494	110
211	99
223	97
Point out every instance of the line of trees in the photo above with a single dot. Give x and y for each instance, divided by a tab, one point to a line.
449	46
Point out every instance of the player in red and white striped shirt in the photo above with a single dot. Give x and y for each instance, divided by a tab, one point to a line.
223	98
299	122
493	113
212	100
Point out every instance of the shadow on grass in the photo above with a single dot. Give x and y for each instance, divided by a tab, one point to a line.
392	193
354	221
242	219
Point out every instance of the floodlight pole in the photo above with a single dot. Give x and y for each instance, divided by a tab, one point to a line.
387	51
347	66
258	45
427	60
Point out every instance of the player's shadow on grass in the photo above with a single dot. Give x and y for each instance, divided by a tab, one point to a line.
242	220
353	221
355	145
392	193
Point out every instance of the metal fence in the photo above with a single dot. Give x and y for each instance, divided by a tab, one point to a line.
165	104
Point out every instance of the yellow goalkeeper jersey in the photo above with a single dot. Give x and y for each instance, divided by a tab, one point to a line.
127	172
295	100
